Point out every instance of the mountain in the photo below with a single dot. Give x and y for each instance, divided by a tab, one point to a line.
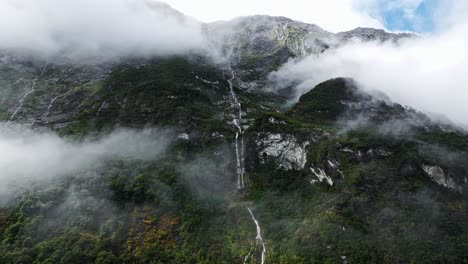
343	175
260	44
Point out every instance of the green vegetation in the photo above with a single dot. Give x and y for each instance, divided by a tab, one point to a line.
324	102
163	92
184	208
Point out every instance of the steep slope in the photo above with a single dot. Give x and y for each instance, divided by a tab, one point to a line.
260	44
369	34
373	190
342	176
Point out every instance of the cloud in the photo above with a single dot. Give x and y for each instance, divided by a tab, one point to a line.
408	7
86	29
450	14
428	74
28	156
209	176
93	30
401	15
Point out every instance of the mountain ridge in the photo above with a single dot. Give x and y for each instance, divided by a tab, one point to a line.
340	176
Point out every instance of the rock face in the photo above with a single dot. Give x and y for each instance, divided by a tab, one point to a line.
258	45
266	35
439	176
321	176
284	150
331	103
262	35
370	34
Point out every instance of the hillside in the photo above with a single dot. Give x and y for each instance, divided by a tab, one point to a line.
343	175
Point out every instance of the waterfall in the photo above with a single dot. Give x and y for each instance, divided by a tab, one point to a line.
248	254
240	153
259	237
239	139
51	104
21	101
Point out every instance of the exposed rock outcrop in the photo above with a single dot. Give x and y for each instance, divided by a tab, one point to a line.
439	176
286	151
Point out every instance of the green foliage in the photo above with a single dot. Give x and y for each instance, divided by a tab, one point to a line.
163	91
324	102
380	209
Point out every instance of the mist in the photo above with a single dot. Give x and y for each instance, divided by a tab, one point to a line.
29	156
427	73
209	176
84	30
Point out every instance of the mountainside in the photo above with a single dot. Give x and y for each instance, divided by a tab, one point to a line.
343	175
260	44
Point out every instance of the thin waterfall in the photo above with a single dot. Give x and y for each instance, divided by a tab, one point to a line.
259	237
21	101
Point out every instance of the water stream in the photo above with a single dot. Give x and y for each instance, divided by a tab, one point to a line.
239	140
240	155
21	101
259	237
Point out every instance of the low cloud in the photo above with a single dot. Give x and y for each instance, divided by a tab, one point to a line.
428	73
29	157
80	30
208	176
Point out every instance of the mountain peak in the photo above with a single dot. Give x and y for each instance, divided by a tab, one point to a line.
364	33
325	101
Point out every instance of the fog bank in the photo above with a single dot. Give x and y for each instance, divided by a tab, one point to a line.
28	156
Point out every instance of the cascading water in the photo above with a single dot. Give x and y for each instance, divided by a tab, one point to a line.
239	140
51	104
21	101
240	153
246	258
259	238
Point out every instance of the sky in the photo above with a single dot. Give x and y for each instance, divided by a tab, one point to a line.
419	19
333	15
428	73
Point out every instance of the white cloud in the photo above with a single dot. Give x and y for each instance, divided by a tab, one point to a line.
429	74
93	29
408	7
28	156
450	13
89	28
